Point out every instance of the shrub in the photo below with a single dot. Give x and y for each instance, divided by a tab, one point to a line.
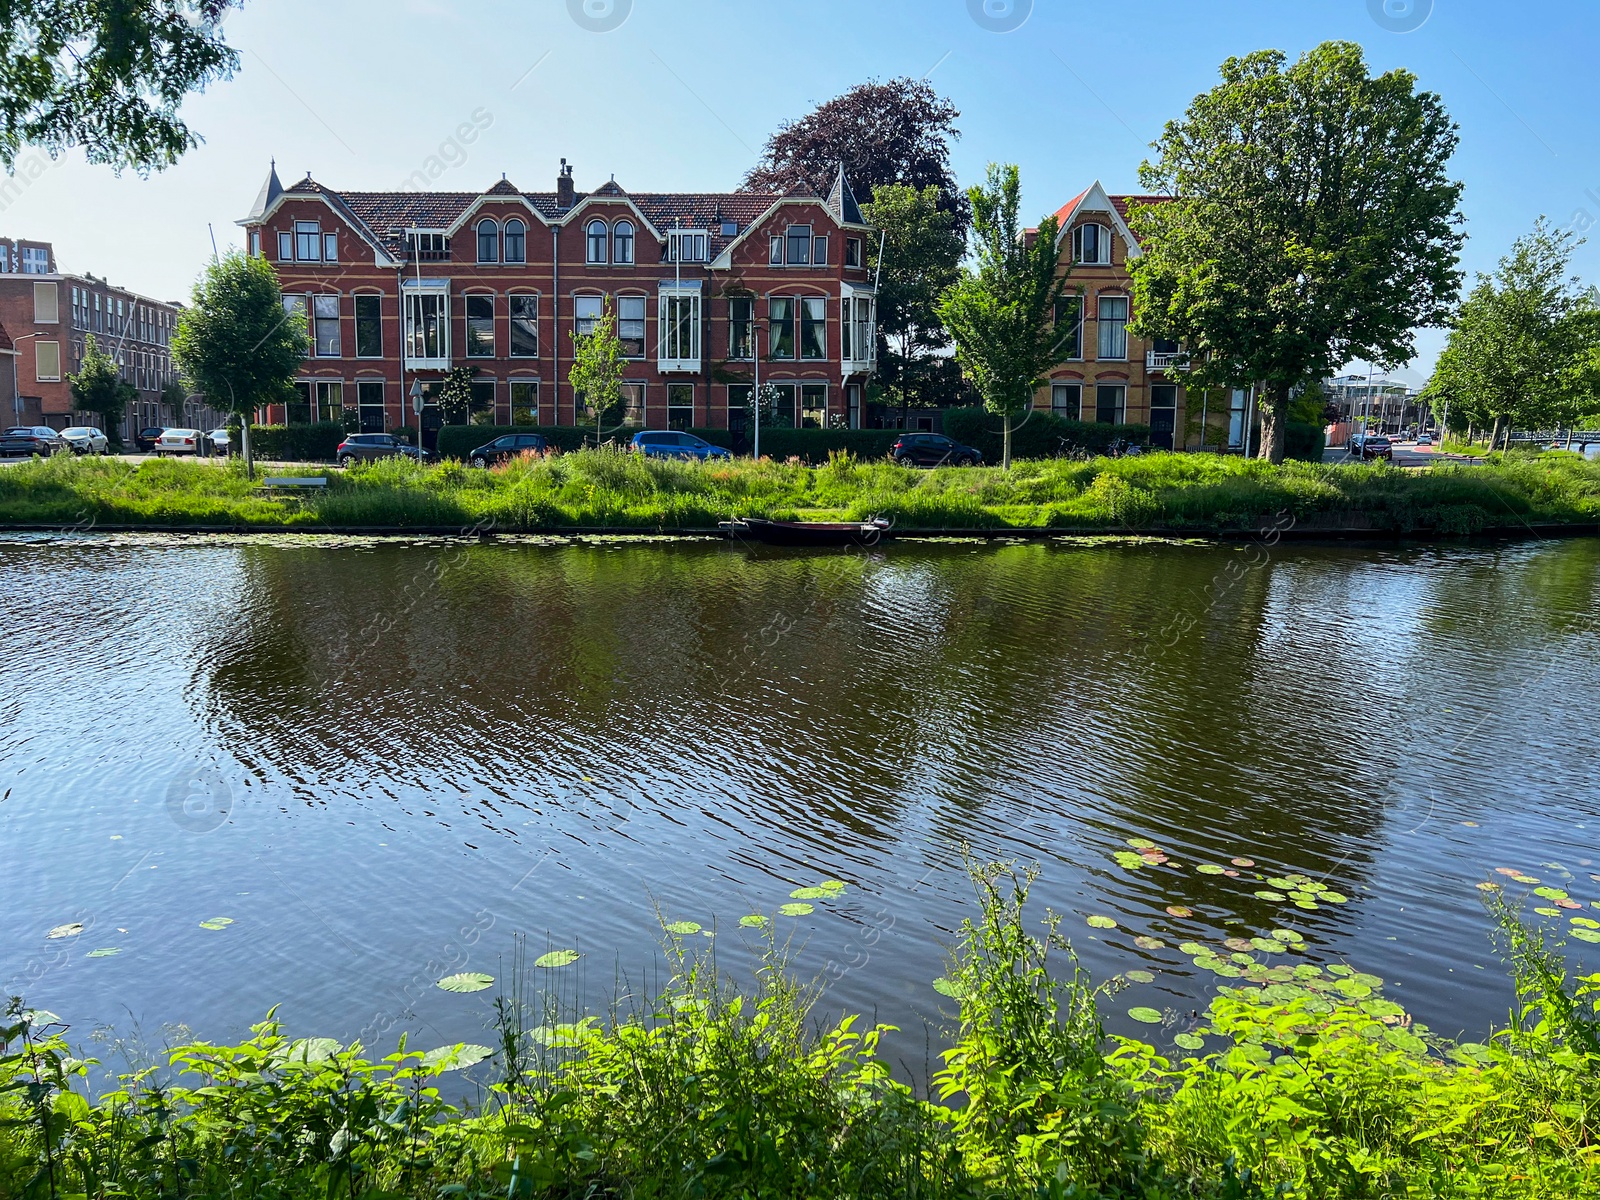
1304	441
294	443
1038	435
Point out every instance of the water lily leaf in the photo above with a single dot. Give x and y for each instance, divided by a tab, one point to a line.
1140	976
1307	971
1243	862
1287	935
1526	880
1275	897
1545	910
1511	872
467	981
1307	905
1585	922
1146	1016
1243	959
1564	902
813	893
1341	969
1209	869
1488	886
1230	872
754	921
453	1058
1382	1008
557	958
1301	896
1267	945
1283	885
1236	943
834	885
216	923
1149	943
1140	843
1335	897
105	952
1587	935
1369	980
1129	860
1179	910
1282	993
1550	893
1192	949
684	928
1354	990
797	909
1226	970
66	931
1189	1041
1099	922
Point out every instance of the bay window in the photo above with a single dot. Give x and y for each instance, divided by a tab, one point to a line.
480	326
630	325
858	335
1113	327
678	317
427	327
524	325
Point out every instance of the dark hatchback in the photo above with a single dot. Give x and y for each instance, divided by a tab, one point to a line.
147	438
366	447
25	440
504	449
932	450
1371	445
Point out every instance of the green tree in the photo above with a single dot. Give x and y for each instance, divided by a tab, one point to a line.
454	396
920	261
236	344
99	388
597	367
1001	311
107	75
1521	347
1311	222
173	397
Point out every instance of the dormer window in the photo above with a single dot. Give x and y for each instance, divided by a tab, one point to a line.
307	241
488	241
688	245
798	243
516	241
1091	245
622	245
596	237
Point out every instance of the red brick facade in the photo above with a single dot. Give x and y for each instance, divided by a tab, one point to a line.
419	282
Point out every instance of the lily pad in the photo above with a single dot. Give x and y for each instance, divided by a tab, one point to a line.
1189	1041
812	893
105	952
1237	943
797	909
1587	935
755	921
1568	904
1275	897
1288	935
1585	922
1209	869
833	885
1335	897
1307	905
1268	945
1140	843
216	923
453	1058
1179	910
1145	1016
1196	948
683	928
1544	910
1128	860
1283	885
65	931
1149	943
467	981
1488	885
1099	922
1243	862
1550	893
557	958
1140	975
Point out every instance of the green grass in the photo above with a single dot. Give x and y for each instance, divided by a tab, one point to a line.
1321	1089
611	489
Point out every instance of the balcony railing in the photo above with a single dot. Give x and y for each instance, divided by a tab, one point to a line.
1160	360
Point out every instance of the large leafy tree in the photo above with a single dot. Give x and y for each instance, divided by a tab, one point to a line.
236	344
883	133
920	259
107	75
99	388
1001	311
1311	221
1522	347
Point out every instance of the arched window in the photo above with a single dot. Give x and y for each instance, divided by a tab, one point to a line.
1091	244
488	241
597	241
622	242
516	241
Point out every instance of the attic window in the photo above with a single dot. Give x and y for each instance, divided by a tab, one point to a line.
1091	244
730	229
688	245
799	246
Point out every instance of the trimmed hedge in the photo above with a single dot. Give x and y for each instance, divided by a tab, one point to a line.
1304	441
293	443
1037	434
808	445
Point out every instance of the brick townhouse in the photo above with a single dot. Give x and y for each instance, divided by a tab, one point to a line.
1110	375
49	314
399	287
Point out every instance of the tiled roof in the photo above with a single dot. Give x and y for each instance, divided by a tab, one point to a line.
388	214
1121	203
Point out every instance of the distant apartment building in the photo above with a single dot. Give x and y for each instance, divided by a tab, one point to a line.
1387	405
49	315
399	287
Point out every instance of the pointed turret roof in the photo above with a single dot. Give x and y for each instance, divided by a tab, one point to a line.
842	201
270	191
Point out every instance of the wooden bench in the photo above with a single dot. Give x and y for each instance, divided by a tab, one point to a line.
291	481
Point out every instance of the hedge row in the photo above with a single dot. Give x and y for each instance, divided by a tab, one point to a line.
808	445
1036	434
293	443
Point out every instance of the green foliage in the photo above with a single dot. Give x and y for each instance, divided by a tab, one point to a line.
109	77
1313	222
454	395
98	387
1039	435
598	365
1001	313
1304	441
316	442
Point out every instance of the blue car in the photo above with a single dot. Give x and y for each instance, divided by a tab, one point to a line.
667	444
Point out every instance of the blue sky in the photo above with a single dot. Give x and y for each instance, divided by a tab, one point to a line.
681	96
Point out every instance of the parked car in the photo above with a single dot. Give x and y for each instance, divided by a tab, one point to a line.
504	449
662	443
147	437
221	440
932	450
86	439
181	441
1424	439
366	447
1371	445
24	440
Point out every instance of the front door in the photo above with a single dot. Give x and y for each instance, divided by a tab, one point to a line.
1162	422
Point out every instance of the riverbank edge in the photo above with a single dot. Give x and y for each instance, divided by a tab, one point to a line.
1269	529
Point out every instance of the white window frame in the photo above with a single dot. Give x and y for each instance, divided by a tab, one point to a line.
285	245
512	301
1102	244
330	246
1060	388
688	245
792	233
591	239
313	231
46	304
39	373
805	309
642	321
318	321
594	306
674	350
624	240
416	300
355	313
521	237
467	301
858	329
1103	325
477	238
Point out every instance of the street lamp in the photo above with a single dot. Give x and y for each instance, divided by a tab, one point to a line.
416	408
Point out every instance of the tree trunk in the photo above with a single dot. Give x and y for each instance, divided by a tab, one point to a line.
1274	424
1494	434
1005	445
244	444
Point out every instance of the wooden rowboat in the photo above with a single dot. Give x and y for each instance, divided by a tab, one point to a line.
808	533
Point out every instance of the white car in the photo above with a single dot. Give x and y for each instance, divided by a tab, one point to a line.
86	439
180	441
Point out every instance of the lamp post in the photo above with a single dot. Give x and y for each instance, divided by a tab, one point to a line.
416	409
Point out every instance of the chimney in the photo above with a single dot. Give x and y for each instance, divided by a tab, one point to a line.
566	197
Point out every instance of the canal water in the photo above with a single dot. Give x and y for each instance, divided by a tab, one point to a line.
324	775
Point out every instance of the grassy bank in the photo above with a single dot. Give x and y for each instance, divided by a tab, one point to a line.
603	488
1301	1080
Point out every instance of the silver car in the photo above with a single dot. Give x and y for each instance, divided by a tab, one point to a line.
86	439
31	439
182	441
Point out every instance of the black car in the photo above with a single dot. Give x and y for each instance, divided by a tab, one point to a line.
932	450
365	447
25	440
147	437
504	449
1371	445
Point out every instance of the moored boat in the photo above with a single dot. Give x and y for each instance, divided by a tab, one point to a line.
808	533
